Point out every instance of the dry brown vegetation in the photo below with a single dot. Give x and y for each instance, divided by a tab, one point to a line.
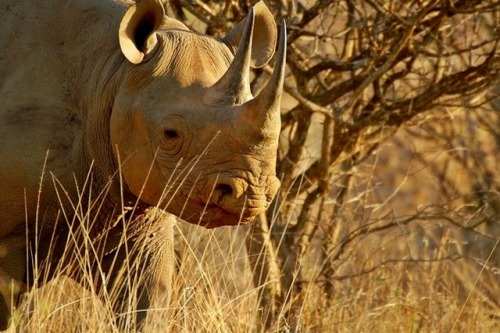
388	218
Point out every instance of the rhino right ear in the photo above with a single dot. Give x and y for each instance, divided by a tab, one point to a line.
138	27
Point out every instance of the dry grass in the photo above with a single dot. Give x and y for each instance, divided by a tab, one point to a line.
400	297
213	292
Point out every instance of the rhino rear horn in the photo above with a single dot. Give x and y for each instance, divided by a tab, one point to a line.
233	88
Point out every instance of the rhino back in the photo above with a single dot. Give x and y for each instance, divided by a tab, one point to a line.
53	55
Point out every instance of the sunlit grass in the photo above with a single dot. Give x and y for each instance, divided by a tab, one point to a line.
213	291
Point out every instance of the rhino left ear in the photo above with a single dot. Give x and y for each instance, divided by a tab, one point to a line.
264	36
138	27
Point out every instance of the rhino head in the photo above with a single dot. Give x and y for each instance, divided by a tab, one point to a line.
188	134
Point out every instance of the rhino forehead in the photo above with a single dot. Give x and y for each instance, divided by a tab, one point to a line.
191	59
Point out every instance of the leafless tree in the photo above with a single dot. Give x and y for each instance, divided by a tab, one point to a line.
359	70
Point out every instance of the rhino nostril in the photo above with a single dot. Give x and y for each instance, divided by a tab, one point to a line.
224	189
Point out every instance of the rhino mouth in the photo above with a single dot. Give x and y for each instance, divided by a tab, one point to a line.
194	208
212	216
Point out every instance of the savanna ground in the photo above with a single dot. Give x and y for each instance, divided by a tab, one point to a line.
388	218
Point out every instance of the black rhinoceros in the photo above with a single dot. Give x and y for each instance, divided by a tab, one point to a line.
107	105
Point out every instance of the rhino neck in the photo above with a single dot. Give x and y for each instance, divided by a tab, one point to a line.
101	78
97	147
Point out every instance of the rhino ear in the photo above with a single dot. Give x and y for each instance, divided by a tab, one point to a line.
264	36
137	29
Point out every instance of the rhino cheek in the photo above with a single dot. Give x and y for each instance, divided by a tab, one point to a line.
142	179
135	161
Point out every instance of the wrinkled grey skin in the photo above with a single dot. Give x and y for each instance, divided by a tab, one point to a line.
105	105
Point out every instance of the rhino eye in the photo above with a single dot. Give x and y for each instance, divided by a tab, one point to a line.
171	134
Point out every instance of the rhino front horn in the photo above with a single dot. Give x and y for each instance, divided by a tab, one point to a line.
264	110
233	88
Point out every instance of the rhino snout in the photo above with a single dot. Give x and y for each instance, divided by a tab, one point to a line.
237	197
